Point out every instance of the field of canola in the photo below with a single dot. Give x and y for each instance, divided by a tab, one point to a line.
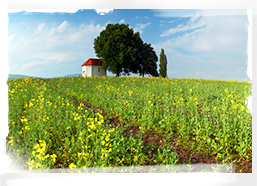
108	121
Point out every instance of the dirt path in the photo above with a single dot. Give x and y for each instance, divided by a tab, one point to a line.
185	152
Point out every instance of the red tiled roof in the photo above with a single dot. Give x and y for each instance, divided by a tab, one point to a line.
91	61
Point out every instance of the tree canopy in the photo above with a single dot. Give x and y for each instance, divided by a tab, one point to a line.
147	61
163	64
123	51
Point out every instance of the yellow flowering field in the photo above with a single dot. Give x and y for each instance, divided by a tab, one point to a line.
109	121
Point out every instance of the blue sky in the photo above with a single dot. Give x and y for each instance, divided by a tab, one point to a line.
209	44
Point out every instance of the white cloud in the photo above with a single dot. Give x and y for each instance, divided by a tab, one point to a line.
122	21
29	65
49	59
69	43
200	73
194	17
12	37
40	27
175	12
192	24
139	28
220	35
14	68
142	26
186	41
162	21
219	46
62	27
224	34
203	12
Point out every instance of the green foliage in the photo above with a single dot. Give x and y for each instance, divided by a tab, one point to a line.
115	47
123	51
163	64
147	60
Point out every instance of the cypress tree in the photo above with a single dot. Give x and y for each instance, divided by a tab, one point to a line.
163	64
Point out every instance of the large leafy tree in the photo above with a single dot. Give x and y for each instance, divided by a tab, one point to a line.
115	46
123	51
163	64
147	59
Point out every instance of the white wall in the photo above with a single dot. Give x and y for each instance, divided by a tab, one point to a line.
87	71
92	70
83	71
96	73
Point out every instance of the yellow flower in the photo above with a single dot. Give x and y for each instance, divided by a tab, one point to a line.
38	165
107	138
35	147
11	142
71	166
53	156
68	128
121	160
26	127
24	120
41	151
